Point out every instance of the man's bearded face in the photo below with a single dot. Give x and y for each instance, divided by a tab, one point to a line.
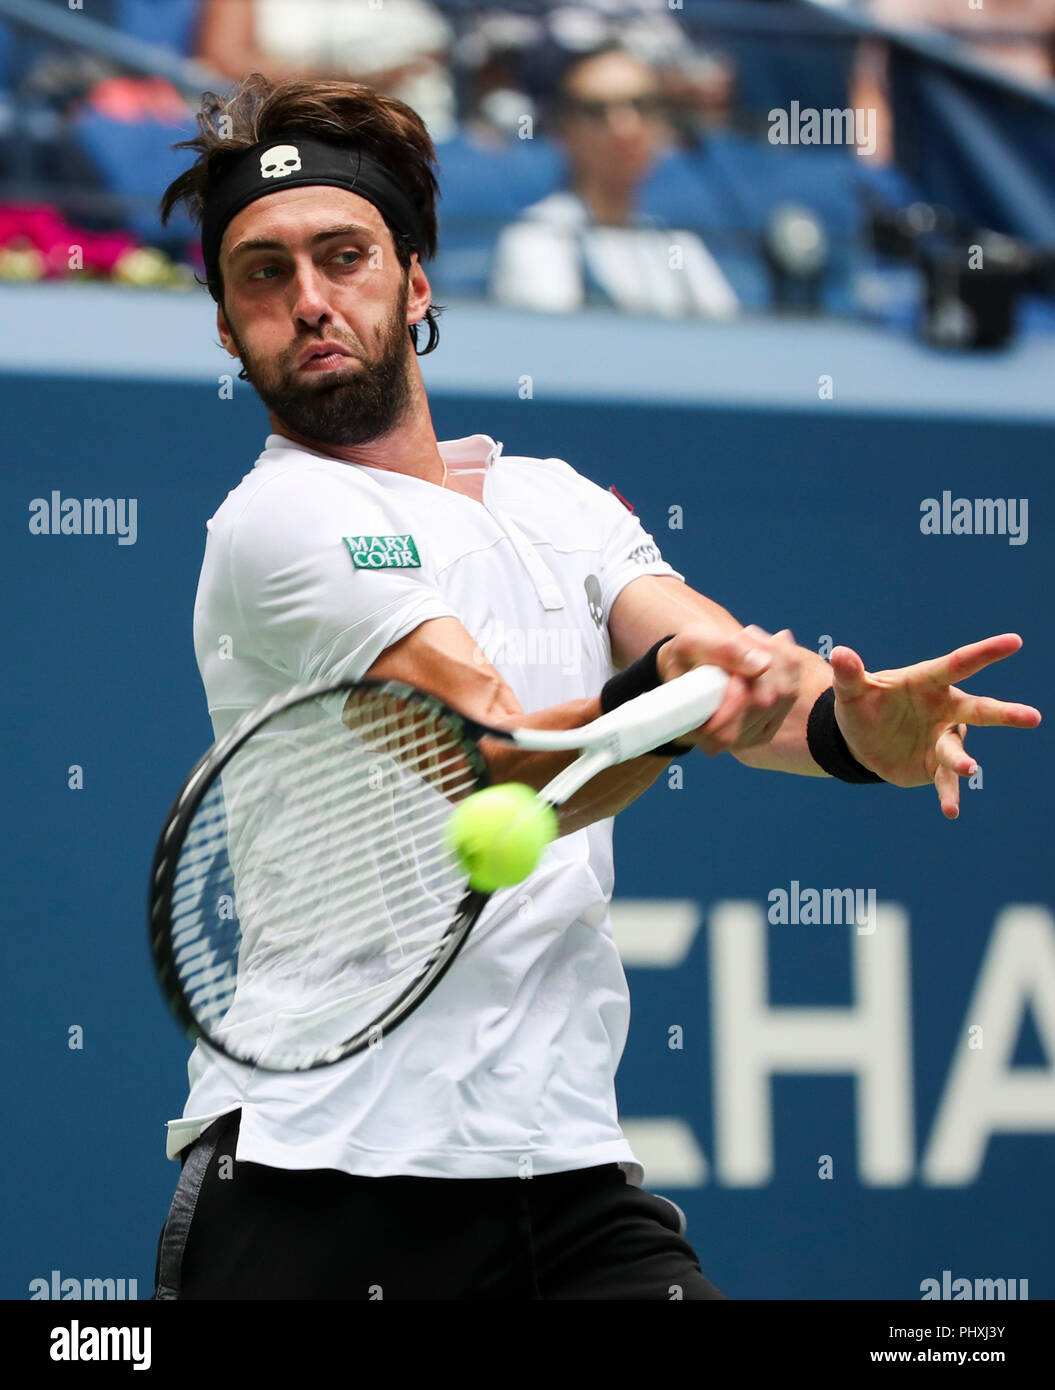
354	403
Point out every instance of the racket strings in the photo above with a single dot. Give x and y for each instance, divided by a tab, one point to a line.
314	882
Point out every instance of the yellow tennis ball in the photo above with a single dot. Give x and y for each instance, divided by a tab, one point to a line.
498	834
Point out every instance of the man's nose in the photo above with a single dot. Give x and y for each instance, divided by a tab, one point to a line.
310	303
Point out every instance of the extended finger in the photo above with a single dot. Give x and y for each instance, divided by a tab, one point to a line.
985	712
848	671
947	785
966	661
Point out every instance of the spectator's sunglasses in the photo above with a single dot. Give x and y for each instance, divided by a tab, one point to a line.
648	105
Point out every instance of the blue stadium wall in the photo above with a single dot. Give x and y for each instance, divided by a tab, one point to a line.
841	1113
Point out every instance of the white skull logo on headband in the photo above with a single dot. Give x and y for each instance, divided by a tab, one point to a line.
279	161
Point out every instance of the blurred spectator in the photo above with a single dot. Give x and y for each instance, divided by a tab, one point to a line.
399	47
689	77
517	59
589	243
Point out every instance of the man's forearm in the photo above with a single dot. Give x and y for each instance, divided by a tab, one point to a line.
441	657
603	796
787	750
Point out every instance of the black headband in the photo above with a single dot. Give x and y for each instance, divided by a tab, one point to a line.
295	161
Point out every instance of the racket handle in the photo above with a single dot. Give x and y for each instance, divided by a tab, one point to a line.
663	714
643	723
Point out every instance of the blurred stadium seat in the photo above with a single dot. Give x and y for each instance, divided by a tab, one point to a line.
484	187
772	75
168	22
135	161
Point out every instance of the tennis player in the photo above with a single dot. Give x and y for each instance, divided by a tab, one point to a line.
477	1154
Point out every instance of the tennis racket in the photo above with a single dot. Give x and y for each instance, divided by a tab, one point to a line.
304	899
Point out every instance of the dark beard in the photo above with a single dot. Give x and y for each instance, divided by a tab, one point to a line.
365	404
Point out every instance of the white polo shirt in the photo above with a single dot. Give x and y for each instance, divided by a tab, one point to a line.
508	1067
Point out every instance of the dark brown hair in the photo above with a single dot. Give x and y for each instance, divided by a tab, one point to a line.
347	112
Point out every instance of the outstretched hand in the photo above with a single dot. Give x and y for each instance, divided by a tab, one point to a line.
909	725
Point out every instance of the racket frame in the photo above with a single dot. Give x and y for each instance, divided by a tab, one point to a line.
192	793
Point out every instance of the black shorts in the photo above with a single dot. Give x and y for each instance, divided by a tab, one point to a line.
247	1231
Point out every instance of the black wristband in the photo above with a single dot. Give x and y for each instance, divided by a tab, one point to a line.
641	675
827	745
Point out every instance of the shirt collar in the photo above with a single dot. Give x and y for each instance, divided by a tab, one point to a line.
474	451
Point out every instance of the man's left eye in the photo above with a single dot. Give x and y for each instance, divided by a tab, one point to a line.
341	254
